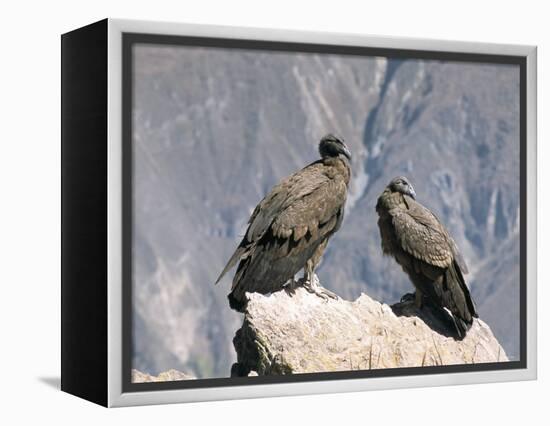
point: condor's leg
(310, 281)
(418, 299)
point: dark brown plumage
(289, 229)
(413, 235)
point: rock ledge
(302, 333)
(165, 376)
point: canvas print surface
(404, 212)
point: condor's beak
(412, 193)
(345, 151)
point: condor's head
(333, 146)
(401, 184)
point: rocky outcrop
(165, 376)
(302, 333)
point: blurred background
(215, 129)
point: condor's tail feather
(462, 307)
(239, 253)
(456, 272)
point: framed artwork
(251, 212)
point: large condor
(290, 228)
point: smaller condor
(413, 235)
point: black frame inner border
(130, 39)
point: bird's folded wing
(421, 235)
(314, 215)
(283, 196)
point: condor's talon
(327, 294)
(409, 297)
(290, 287)
(313, 286)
